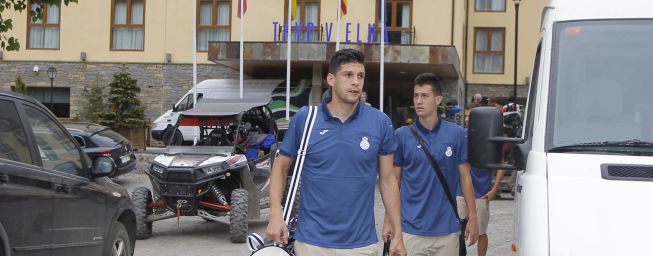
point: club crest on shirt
(365, 144)
(449, 152)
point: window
(489, 50)
(187, 102)
(490, 5)
(60, 99)
(13, 142)
(398, 20)
(44, 33)
(57, 151)
(127, 24)
(213, 22)
(308, 11)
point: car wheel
(238, 215)
(120, 244)
(176, 141)
(140, 198)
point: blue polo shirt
(339, 175)
(425, 209)
(481, 179)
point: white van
(162, 127)
(587, 146)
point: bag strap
(438, 171)
(299, 163)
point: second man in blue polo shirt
(428, 220)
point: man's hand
(471, 232)
(491, 195)
(397, 247)
(387, 233)
(277, 230)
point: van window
(13, 142)
(601, 84)
(187, 102)
(532, 96)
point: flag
(244, 10)
(293, 11)
(343, 7)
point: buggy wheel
(177, 140)
(238, 215)
(140, 198)
(119, 243)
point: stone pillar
(316, 89)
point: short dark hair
(345, 56)
(432, 80)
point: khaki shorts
(482, 212)
(446, 245)
(304, 249)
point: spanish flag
(343, 7)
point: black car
(53, 199)
(97, 140)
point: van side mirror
(174, 108)
(485, 139)
(102, 166)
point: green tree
(20, 86)
(126, 109)
(11, 43)
(94, 104)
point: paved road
(195, 236)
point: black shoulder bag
(438, 171)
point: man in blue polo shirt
(428, 220)
(349, 145)
(484, 192)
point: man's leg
(483, 213)
(416, 245)
(447, 245)
(482, 245)
(304, 249)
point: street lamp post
(514, 87)
(52, 74)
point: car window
(57, 151)
(13, 142)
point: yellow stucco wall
(529, 24)
(85, 27)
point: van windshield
(602, 84)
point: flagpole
(289, 31)
(195, 64)
(242, 57)
(338, 28)
(382, 53)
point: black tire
(119, 242)
(238, 215)
(176, 141)
(140, 198)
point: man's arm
(492, 194)
(277, 230)
(387, 231)
(389, 187)
(468, 193)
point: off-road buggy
(225, 173)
